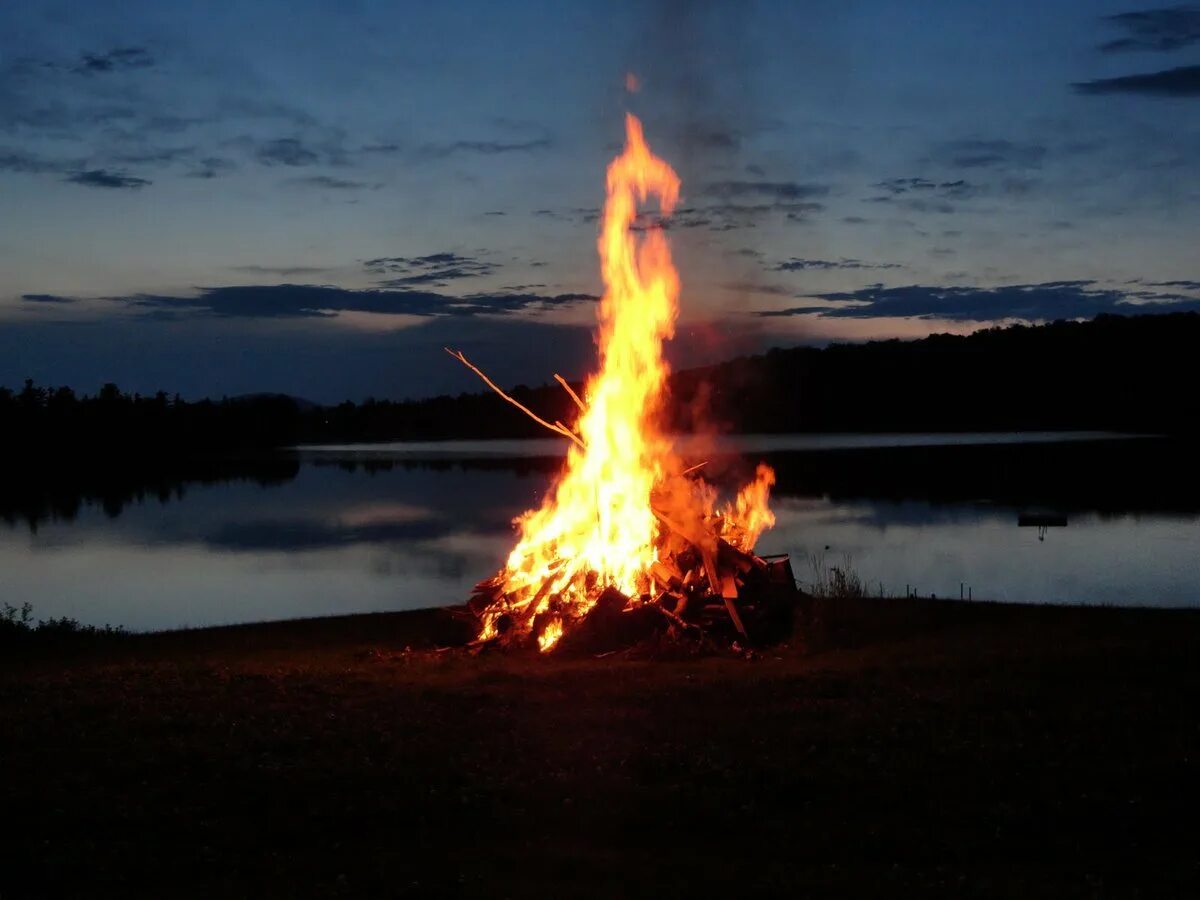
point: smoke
(695, 63)
(699, 76)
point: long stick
(557, 429)
(574, 396)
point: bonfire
(629, 532)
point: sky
(216, 198)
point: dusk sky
(316, 197)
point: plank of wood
(729, 593)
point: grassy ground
(899, 746)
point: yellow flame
(597, 527)
(550, 635)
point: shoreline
(908, 745)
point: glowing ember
(623, 497)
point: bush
(835, 582)
(17, 626)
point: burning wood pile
(702, 584)
(630, 541)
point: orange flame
(598, 528)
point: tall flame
(598, 528)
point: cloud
(755, 287)
(329, 183)
(1182, 285)
(801, 265)
(102, 178)
(115, 60)
(778, 190)
(923, 195)
(433, 270)
(1155, 30)
(152, 155)
(1031, 302)
(309, 301)
(20, 161)
(212, 167)
(284, 271)
(720, 216)
(697, 136)
(1183, 81)
(896, 186)
(286, 152)
(46, 298)
(974, 153)
(484, 148)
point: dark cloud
(437, 278)
(719, 216)
(1155, 30)
(1183, 81)
(28, 163)
(322, 301)
(801, 265)
(212, 167)
(284, 271)
(896, 186)
(755, 287)
(153, 155)
(287, 152)
(702, 136)
(46, 298)
(115, 60)
(328, 182)
(1031, 302)
(380, 149)
(981, 154)
(1182, 285)
(916, 204)
(779, 190)
(432, 270)
(484, 148)
(103, 178)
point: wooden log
(710, 569)
(729, 593)
(738, 559)
(666, 576)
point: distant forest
(1134, 373)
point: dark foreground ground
(901, 746)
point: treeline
(1118, 373)
(1135, 373)
(38, 422)
(1122, 373)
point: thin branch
(695, 467)
(570, 390)
(557, 429)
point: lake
(326, 531)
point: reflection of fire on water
(627, 526)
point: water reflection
(319, 534)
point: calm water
(353, 529)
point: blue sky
(315, 197)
